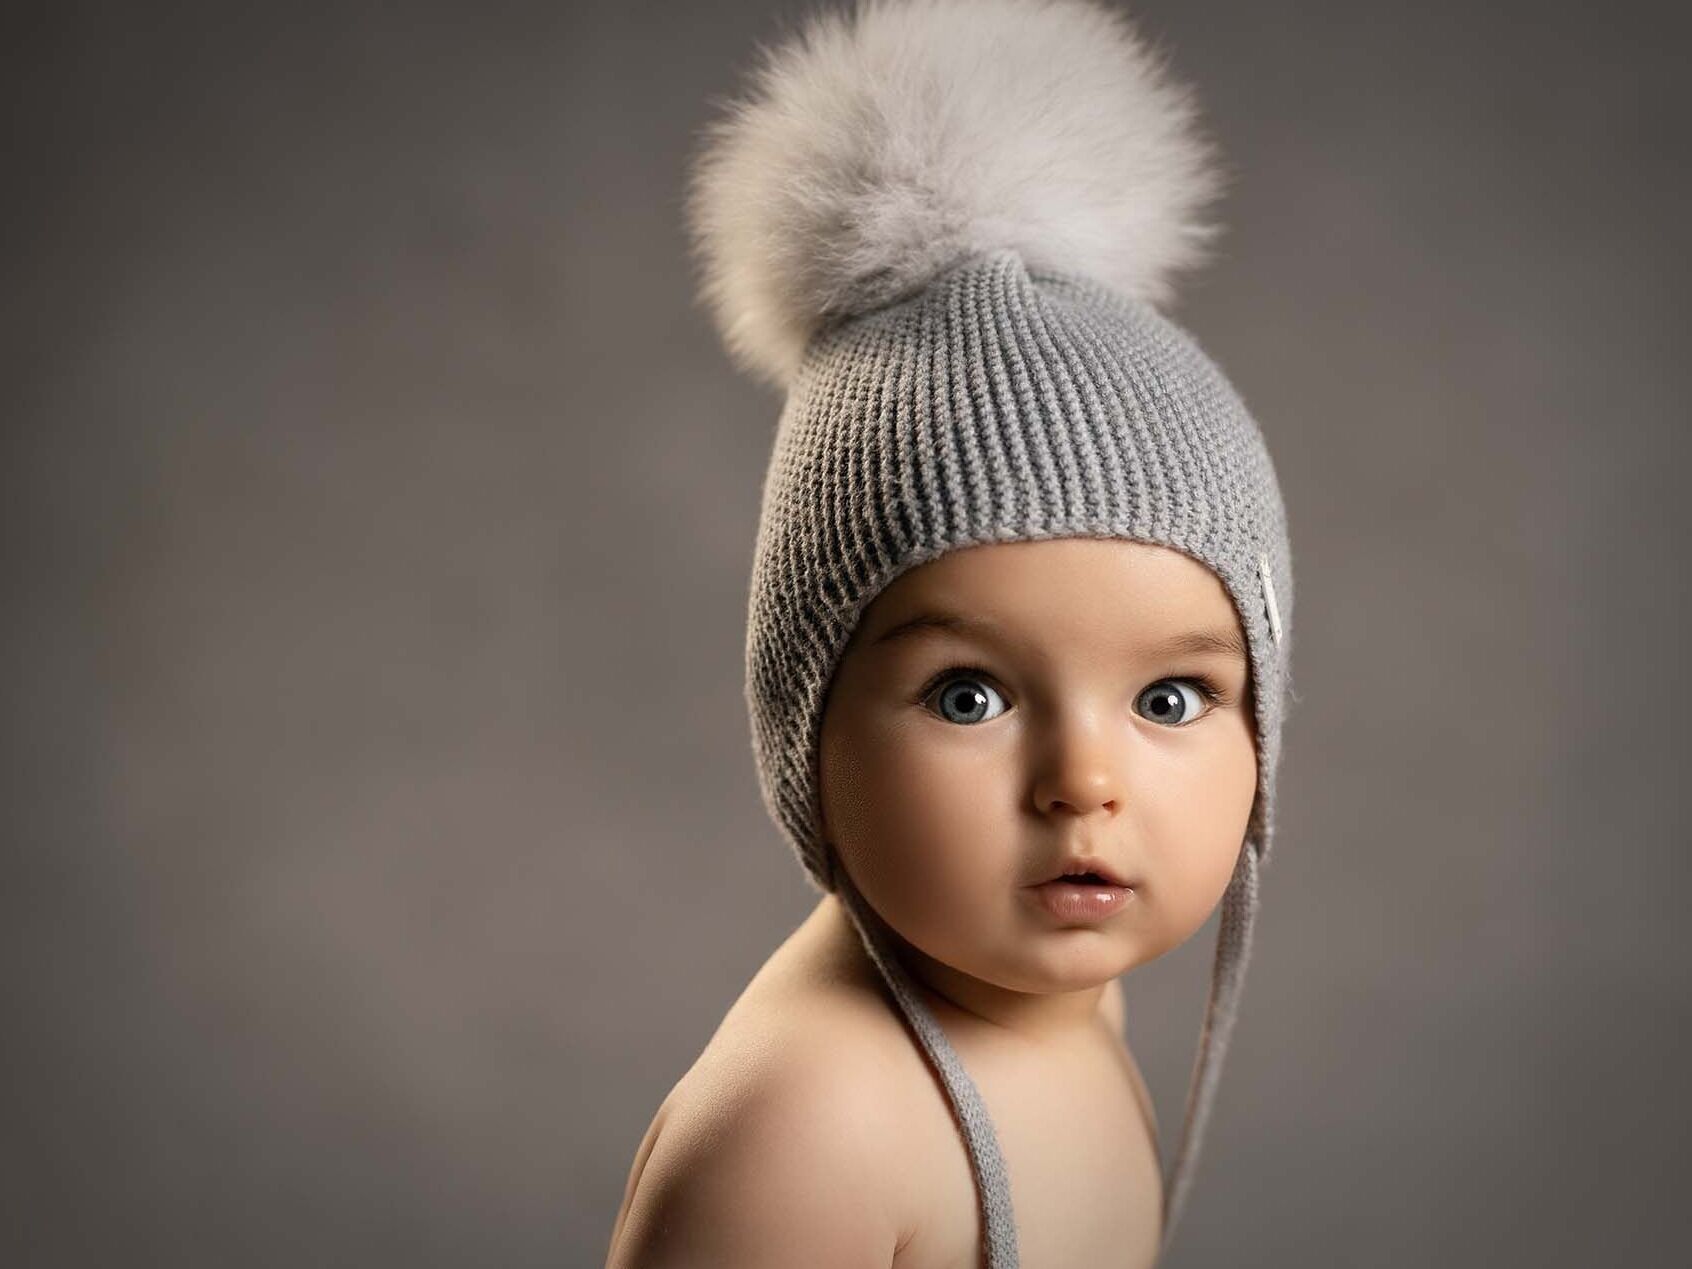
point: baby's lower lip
(1080, 900)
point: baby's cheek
(937, 798)
(1204, 864)
(934, 820)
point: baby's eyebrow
(1203, 643)
(1218, 642)
(926, 621)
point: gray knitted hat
(941, 227)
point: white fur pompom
(882, 145)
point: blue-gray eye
(1167, 701)
(965, 700)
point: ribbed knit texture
(1001, 405)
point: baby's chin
(1048, 963)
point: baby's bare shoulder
(773, 1149)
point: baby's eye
(1167, 702)
(963, 698)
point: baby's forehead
(1054, 635)
(1080, 592)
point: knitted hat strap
(1233, 954)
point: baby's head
(1033, 448)
(1006, 707)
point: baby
(1017, 653)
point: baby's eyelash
(952, 672)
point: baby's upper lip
(1077, 864)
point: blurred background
(376, 514)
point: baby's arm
(790, 1173)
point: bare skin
(957, 769)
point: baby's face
(959, 767)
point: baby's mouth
(1083, 897)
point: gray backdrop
(378, 506)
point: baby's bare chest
(1086, 1185)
